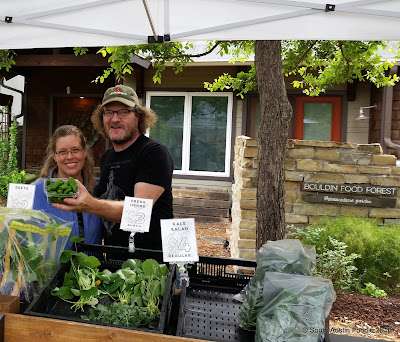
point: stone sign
(351, 194)
(351, 200)
(355, 189)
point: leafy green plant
(121, 314)
(373, 291)
(136, 283)
(6, 59)
(333, 261)
(80, 281)
(9, 172)
(28, 251)
(135, 289)
(335, 264)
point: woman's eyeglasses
(74, 151)
(122, 113)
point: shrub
(373, 291)
(378, 247)
(332, 260)
(9, 172)
(335, 264)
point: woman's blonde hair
(146, 119)
(49, 163)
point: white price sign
(136, 214)
(20, 196)
(179, 240)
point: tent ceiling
(69, 23)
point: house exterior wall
(201, 183)
(191, 78)
(375, 122)
(53, 81)
(375, 127)
(396, 116)
(310, 161)
(43, 83)
(358, 130)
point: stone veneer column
(308, 161)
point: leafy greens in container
(130, 296)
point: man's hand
(80, 204)
(85, 202)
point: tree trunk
(276, 113)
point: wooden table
(16, 327)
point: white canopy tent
(69, 23)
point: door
(318, 118)
(77, 111)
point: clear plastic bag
(31, 242)
(295, 308)
(289, 256)
(286, 256)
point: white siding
(239, 117)
(357, 130)
(201, 183)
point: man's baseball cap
(121, 93)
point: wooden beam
(24, 328)
(59, 60)
(9, 304)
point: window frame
(335, 101)
(187, 130)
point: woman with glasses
(69, 156)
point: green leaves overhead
(312, 66)
(6, 59)
(318, 65)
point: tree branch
(304, 55)
(345, 58)
(196, 55)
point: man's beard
(123, 140)
(131, 132)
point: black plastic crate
(47, 305)
(207, 308)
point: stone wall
(309, 161)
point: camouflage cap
(121, 93)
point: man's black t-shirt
(144, 161)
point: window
(196, 128)
(314, 118)
(318, 118)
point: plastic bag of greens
(31, 242)
(289, 256)
(286, 256)
(295, 308)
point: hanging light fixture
(361, 115)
